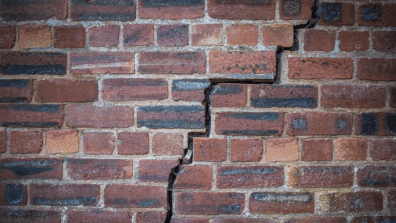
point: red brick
(210, 203)
(62, 141)
(373, 219)
(168, 144)
(383, 149)
(65, 195)
(138, 34)
(34, 36)
(126, 89)
(241, 9)
(99, 117)
(34, 168)
(208, 149)
(267, 96)
(171, 9)
(353, 41)
(384, 41)
(362, 201)
(194, 177)
(150, 216)
(207, 35)
(249, 176)
(66, 90)
(69, 37)
(281, 203)
(96, 214)
(353, 96)
(317, 219)
(103, 36)
(7, 37)
(98, 142)
(189, 89)
(244, 220)
(103, 10)
(13, 195)
(172, 35)
(321, 176)
(282, 149)
(99, 169)
(376, 176)
(392, 200)
(156, 170)
(337, 14)
(189, 220)
(278, 34)
(242, 34)
(316, 149)
(291, 9)
(376, 69)
(172, 62)
(317, 123)
(377, 15)
(246, 150)
(228, 95)
(392, 101)
(320, 68)
(350, 149)
(3, 141)
(102, 63)
(34, 10)
(132, 143)
(31, 115)
(28, 141)
(31, 216)
(319, 40)
(375, 124)
(131, 196)
(16, 90)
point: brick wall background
(202, 111)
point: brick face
(28, 141)
(242, 34)
(7, 37)
(319, 40)
(34, 36)
(62, 141)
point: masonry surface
(201, 111)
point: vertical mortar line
(101, 198)
(388, 96)
(80, 142)
(52, 37)
(136, 60)
(334, 148)
(44, 146)
(121, 37)
(355, 67)
(299, 149)
(170, 85)
(189, 32)
(8, 141)
(16, 47)
(264, 149)
(151, 136)
(155, 43)
(319, 106)
(228, 151)
(248, 89)
(214, 181)
(277, 11)
(370, 40)
(260, 38)
(385, 210)
(115, 151)
(135, 119)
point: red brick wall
(202, 111)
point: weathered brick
(168, 144)
(99, 117)
(377, 15)
(61, 141)
(337, 14)
(207, 35)
(96, 215)
(362, 201)
(242, 34)
(281, 203)
(172, 35)
(3, 141)
(31, 216)
(278, 34)
(246, 150)
(13, 195)
(28, 141)
(189, 220)
(16, 90)
(383, 149)
(98, 142)
(66, 90)
(173, 9)
(102, 63)
(150, 216)
(209, 149)
(33, 10)
(131, 143)
(350, 149)
(126, 89)
(16, 63)
(354, 40)
(377, 176)
(69, 37)
(375, 124)
(282, 149)
(317, 219)
(156, 170)
(138, 34)
(172, 62)
(319, 40)
(321, 176)
(34, 168)
(245, 9)
(249, 176)
(392, 101)
(194, 177)
(376, 69)
(210, 203)
(7, 37)
(64, 195)
(131, 196)
(34, 36)
(373, 219)
(384, 41)
(244, 220)
(104, 36)
(316, 149)
(317, 123)
(228, 95)
(103, 10)
(296, 9)
(171, 117)
(99, 169)
(189, 89)
(392, 200)
(320, 68)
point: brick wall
(202, 111)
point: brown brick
(377, 15)
(16, 90)
(99, 169)
(168, 144)
(392, 101)
(135, 196)
(131, 143)
(189, 220)
(172, 35)
(194, 177)
(126, 89)
(319, 40)
(246, 150)
(208, 149)
(189, 89)
(34, 36)
(292, 9)
(278, 34)
(353, 41)
(172, 62)
(34, 168)
(64, 195)
(320, 68)
(375, 124)
(244, 220)
(241, 9)
(281, 203)
(392, 200)
(62, 141)
(99, 117)
(384, 41)
(376, 69)
(156, 170)
(350, 149)
(66, 90)
(317, 123)
(3, 141)
(376, 176)
(13, 195)
(151, 216)
(242, 34)
(249, 176)
(138, 34)
(171, 9)
(373, 219)
(337, 14)
(316, 149)
(98, 142)
(34, 10)
(69, 37)
(103, 10)
(207, 35)
(210, 203)
(228, 95)
(7, 37)
(383, 149)
(362, 201)
(317, 219)
(104, 36)
(96, 214)
(31, 216)
(28, 141)
(321, 176)
(284, 149)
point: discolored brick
(384, 41)
(171, 9)
(34, 36)
(27, 141)
(376, 176)
(209, 149)
(245, 9)
(7, 37)
(296, 9)
(98, 142)
(33, 10)
(96, 214)
(13, 195)
(3, 141)
(131, 143)
(321, 176)
(138, 34)
(243, 220)
(316, 149)
(317, 219)
(337, 14)
(189, 89)
(375, 124)
(353, 40)
(194, 177)
(33, 168)
(228, 95)
(376, 69)
(350, 149)
(150, 216)
(362, 201)
(278, 34)
(69, 37)
(16, 90)
(172, 35)
(242, 34)
(392, 200)
(392, 101)
(103, 10)
(156, 170)
(320, 68)
(104, 36)
(246, 150)
(284, 149)
(168, 144)
(31, 216)
(189, 220)
(62, 141)
(281, 203)
(207, 35)
(377, 15)
(383, 149)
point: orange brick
(284, 149)
(207, 35)
(62, 141)
(168, 144)
(350, 149)
(242, 34)
(34, 36)
(209, 149)
(279, 34)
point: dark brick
(172, 35)
(296, 9)
(210, 149)
(34, 168)
(16, 91)
(189, 220)
(156, 170)
(375, 124)
(393, 97)
(244, 9)
(377, 176)
(69, 37)
(138, 34)
(377, 15)
(384, 41)
(104, 36)
(171, 9)
(150, 216)
(362, 201)
(33, 10)
(317, 150)
(376, 69)
(321, 176)
(194, 177)
(26, 141)
(96, 214)
(31, 216)
(285, 203)
(7, 37)
(337, 14)
(383, 149)
(189, 89)
(131, 143)
(392, 200)
(320, 68)
(374, 219)
(3, 141)
(103, 10)
(228, 95)
(244, 220)
(13, 195)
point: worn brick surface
(284, 203)
(384, 41)
(337, 14)
(354, 40)
(228, 95)
(28, 141)
(376, 15)
(168, 144)
(316, 149)
(189, 89)
(375, 124)
(37, 36)
(376, 176)
(172, 35)
(362, 201)
(319, 40)
(376, 69)
(7, 37)
(138, 34)
(33, 10)
(246, 150)
(320, 68)
(98, 142)
(62, 141)
(284, 149)
(383, 149)
(69, 37)
(242, 34)
(155, 170)
(207, 149)
(17, 90)
(296, 9)
(30, 168)
(280, 35)
(241, 9)
(103, 10)
(104, 36)
(32, 216)
(130, 143)
(97, 215)
(194, 177)
(321, 176)
(350, 149)
(173, 9)
(207, 35)
(13, 195)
